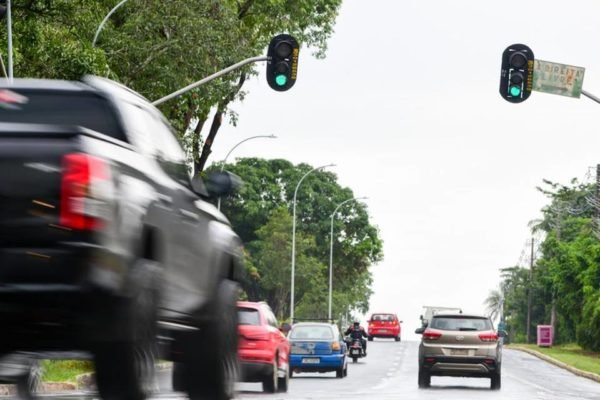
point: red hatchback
(263, 350)
(384, 326)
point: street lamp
(331, 250)
(294, 237)
(105, 20)
(233, 148)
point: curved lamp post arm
(111, 12)
(232, 149)
(243, 141)
(331, 250)
(294, 237)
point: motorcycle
(355, 349)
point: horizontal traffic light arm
(214, 76)
(590, 96)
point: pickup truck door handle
(189, 215)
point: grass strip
(65, 370)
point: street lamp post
(331, 250)
(115, 8)
(294, 237)
(10, 43)
(233, 148)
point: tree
(566, 281)
(156, 47)
(270, 254)
(269, 185)
(493, 303)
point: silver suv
(455, 344)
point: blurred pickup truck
(108, 245)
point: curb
(578, 372)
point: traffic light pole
(590, 96)
(214, 76)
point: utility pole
(530, 292)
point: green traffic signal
(515, 91)
(281, 80)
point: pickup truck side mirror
(420, 330)
(222, 183)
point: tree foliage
(566, 278)
(261, 213)
(157, 47)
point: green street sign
(554, 78)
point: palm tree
(493, 303)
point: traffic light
(516, 77)
(282, 62)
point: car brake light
(336, 346)
(488, 337)
(431, 335)
(86, 190)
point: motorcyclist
(355, 331)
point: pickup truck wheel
(125, 369)
(210, 367)
(28, 385)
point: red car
(263, 349)
(384, 326)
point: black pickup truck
(107, 245)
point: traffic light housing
(282, 62)
(516, 76)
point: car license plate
(459, 352)
(383, 330)
(310, 361)
(355, 352)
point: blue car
(317, 347)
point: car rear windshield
(460, 323)
(312, 332)
(248, 316)
(383, 317)
(59, 108)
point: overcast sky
(407, 105)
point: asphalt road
(390, 372)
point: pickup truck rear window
(83, 109)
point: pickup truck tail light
(431, 335)
(488, 337)
(86, 192)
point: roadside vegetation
(565, 280)
(65, 370)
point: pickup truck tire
(29, 384)
(209, 368)
(125, 369)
